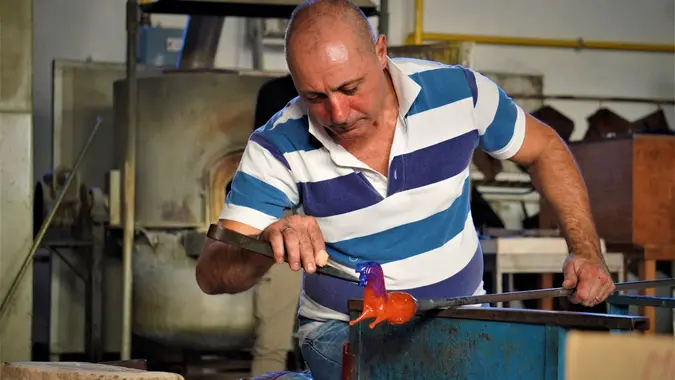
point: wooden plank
(592, 356)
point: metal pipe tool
(441, 303)
(251, 244)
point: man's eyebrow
(351, 82)
(342, 85)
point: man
(277, 293)
(375, 154)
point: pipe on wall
(544, 42)
(419, 36)
(383, 20)
(255, 27)
(129, 228)
(200, 42)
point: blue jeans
(322, 349)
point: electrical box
(159, 46)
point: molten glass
(395, 307)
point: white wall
(79, 29)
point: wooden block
(77, 371)
(593, 355)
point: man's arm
(556, 176)
(261, 191)
(507, 132)
(222, 268)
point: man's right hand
(299, 239)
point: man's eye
(350, 90)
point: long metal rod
(129, 179)
(441, 303)
(640, 300)
(45, 225)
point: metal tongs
(248, 243)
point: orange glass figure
(395, 307)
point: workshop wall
(81, 29)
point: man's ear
(381, 50)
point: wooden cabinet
(631, 185)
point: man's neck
(374, 147)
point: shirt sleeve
(499, 120)
(262, 188)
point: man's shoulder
(415, 66)
(436, 78)
(440, 84)
(287, 131)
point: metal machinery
(154, 170)
(189, 147)
(490, 343)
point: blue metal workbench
(477, 343)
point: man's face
(342, 85)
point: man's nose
(338, 109)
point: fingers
(593, 284)
(571, 280)
(292, 243)
(588, 290)
(298, 240)
(606, 290)
(590, 280)
(307, 253)
(570, 275)
(276, 240)
(319, 245)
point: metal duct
(383, 21)
(238, 8)
(200, 42)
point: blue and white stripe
(416, 222)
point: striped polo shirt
(416, 222)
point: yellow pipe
(545, 42)
(418, 37)
(418, 34)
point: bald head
(338, 67)
(316, 22)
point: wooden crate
(631, 185)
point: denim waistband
(304, 321)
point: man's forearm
(222, 268)
(557, 178)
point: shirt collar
(406, 90)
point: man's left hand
(589, 277)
